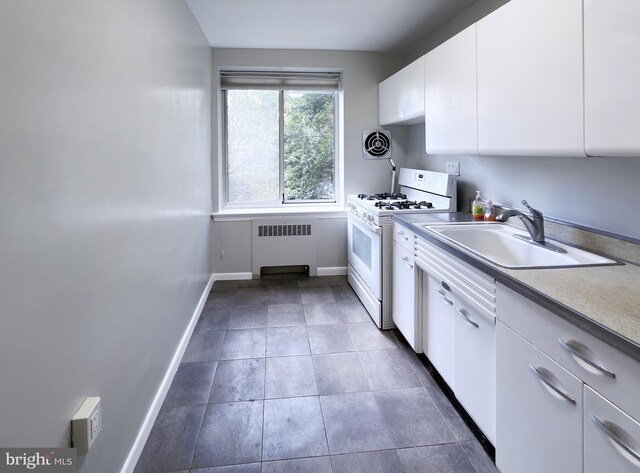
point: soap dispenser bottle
(477, 208)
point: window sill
(321, 211)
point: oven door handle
(372, 226)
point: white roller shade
(279, 80)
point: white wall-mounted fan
(376, 144)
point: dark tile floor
(289, 374)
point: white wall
(362, 71)
(105, 191)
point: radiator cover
(284, 242)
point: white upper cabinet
(612, 77)
(451, 106)
(530, 79)
(401, 96)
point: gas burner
(403, 205)
(382, 196)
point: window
(280, 137)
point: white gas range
(371, 233)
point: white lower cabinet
(611, 437)
(458, 305)
(404, 293)
(438, 319)
(475, 364)
(534, 383)
(539, 414)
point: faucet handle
(534, 212)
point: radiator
(284, 242)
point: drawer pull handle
(407, 263)
(405, 238)
(569, 346)
(444, 298)
(466, 318)
(543, 379)
(612, 431)
(401, 232)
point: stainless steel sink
(499, 244)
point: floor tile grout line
(195, 446)
(404, 354)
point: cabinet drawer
(403, 236)
(611, 437)
(538, 410)
(597, 363)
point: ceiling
(356, 25)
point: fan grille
(376, 145)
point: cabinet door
(450, 96)
(611, 437)
(611, 77)
(539, 415)
(401, 96)
(437, 339)
(403, 299)
(475, 364)
(530, 79)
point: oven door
(365, 251)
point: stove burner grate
(404, 205)
(382, 196)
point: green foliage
(309, 144)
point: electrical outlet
(86, 424)
(452, 167)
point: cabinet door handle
(573, 350)
(466, 318)
(444, 298)
(405, 238)
(611, 430)
(543, 379)
(407, 263)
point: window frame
(282, 204)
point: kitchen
(98, 256)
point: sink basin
(497, 243)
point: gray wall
(362, 71)
(462, 20)
(602, 193)
(106, 196)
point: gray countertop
(602, 300)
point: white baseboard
(326, 271)
(332, 271)
(232, 276)
(152, 413)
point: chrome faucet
(533, 224)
